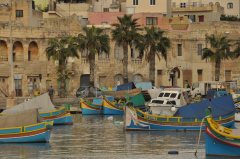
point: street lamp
(11, 48)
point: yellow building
(231, 7)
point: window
(19, 13)
(135, 2)
(211, 3)
(152, 2)
(161, 95)
(158, 101)
(200, 49)
(174, 4)
(132, 53)
(173, 95)
(171, 102)
(14, 57)
(199, 75)
(84, 54)
(182, 5)
(179, 49)
(159, 72)
(151, 21)
(166, 94)
(201, 18)
(217, 3)
(105, 9)
(194, 4)
(192, 18)
(230, 5)
(29, 55)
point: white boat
(167, 102)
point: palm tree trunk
(92, 68)
(62, 84)
(152, 66)
(125, 62)
(217, 69)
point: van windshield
(195, 85)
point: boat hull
(171, 126)
(91, 108)
(139, 120)
(217, 147)
(61, 116)
(111, 108)
(122, 94)
(29, 134)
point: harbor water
(95, 136)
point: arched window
(230, 5)
(211, 3)
(217, 3)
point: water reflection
(96, 136)
(22, 150)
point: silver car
(84, 90)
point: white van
(201, 88)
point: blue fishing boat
(47, 111)
(118, 109)
(187, 117)
(221, 141)
(95, 107)
(24, 126)
(120, 91)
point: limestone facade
(183, 62)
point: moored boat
(24, 126)
(118, 109)
(186, 118)
(122, 90)
(94, 107)
(47, 111)
(221, 141)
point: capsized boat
(118, 109)
(187, 117)
(221, 141)
(24, 126)
(48, 112)
(94, 107)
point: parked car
(84, 90)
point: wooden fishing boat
(94, 107)
(48, 112)
(24, 126)
(91, 108)
(187, 117)
(122, 94)
(221, 141)
(118, 109)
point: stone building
(183, 62)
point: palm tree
(60, 50)
(236, 50)
(94, 41)
(125, 33)
(152, 43)
(220, 50)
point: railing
(103, 60)
(118, 61)
(136, 61)
(84, 61)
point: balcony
(136, 61)
(197, 8)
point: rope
(200, 133)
